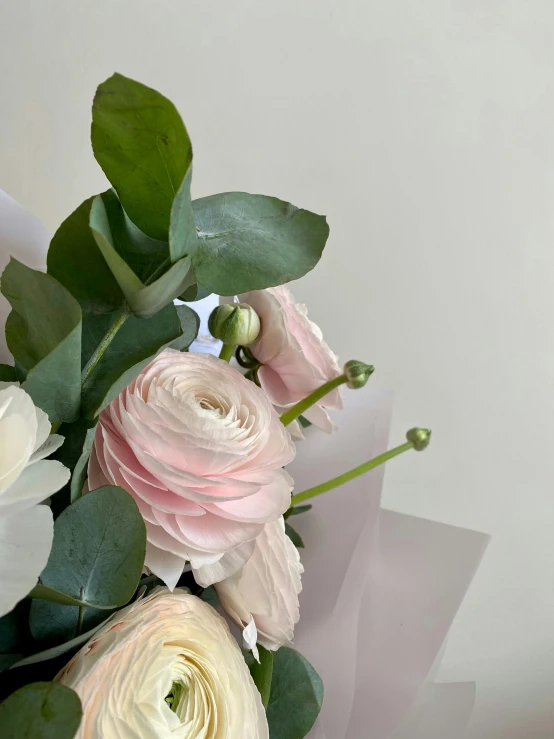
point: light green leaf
(41, 711)
(182, 229)
(43, 332)
(75, 260)
(193, 293)
(144, 300)
(250, 242)
(296, 696)
(143, 147)
(133, 347)
(297, 510)
(98, 550)
(44, 592)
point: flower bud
(420, 438)
(234, 323)
(357, 373)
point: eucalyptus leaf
(79, 474)
(52, 595)
(57, 651)
(7, 660)
(262, 673)
(143, 147)
(98, 549)
(190, 323)
(193, 293)
(250, 242)
(41, 711)
(75, 260)
(182, 228)
(7, 373)
(144, 300)
(43, 332)
(135, 344)
(296, 696)
(209, 595)
(52, 624)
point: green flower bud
(234, 323)
(357, 373)
(420, 438)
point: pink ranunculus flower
(201, 450)
(262, 598)
(295, 358)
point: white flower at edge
(26, 479)
(166, 644)
(263, 597)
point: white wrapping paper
(380, 590)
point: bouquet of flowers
(150, 522)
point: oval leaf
(41, 711)
(250, 242)
(75, 260)
(43, 332)
(143, 147)
(144, 300)
(98, 551)
(296, 696)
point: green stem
(104, 344)
(262, 674)
(307, 402)
(351, 475)
(226, 352)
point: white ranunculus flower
(26, 479)
(263, 596)
(165, 667)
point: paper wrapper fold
(381, 590)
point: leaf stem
(297, 410)
(335, 482)
(104, 344)
(80, 620)
(226, 352)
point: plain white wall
(425, 131)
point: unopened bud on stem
(234, 324)
(420, 438)
(357, 373)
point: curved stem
(226, 352)
(335, 482)
(104, 344)
(307, 402)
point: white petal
(35, 484)
(25, 543)
(53, 442)
(228, 565)
(168, 567)
(43, 429)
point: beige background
(424, 130)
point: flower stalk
(355, 375)
(417, 439)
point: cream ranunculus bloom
(26, 479)
(169, 648)
(263, 597)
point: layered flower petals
(165, 667)
(202, 451)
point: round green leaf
(43, 332)
(143, 147)
(296, 696)
(250, 242)
(98, 550)
(41, 711)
